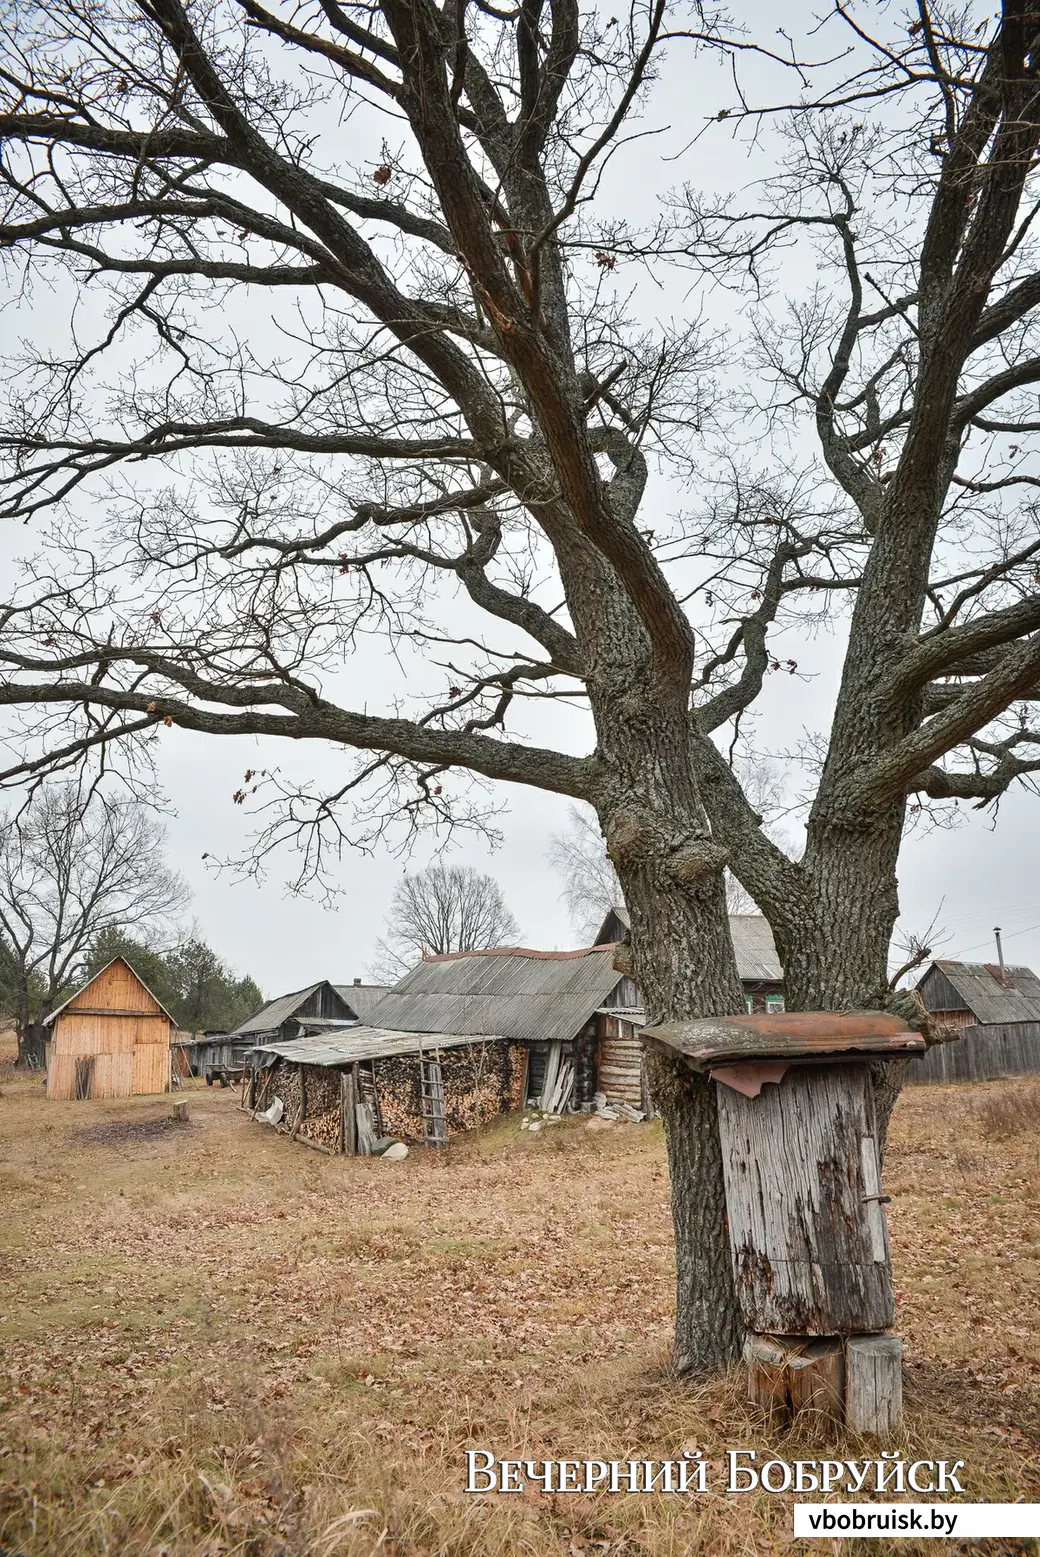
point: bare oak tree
(444, 908)
(457, 425)
(75, 867)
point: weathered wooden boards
(807, 1230)
(110, 1039)
(873, 1383)
(793, 1373)
(858, 1381)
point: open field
(216, 1342)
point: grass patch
(1009, 1111)
(216, 1344)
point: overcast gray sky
(972, 877)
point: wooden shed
(110, 1039)
(994, 1013)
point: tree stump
(180, 1111)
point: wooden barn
(572, 1011)
(110, 1039)
(994, 1010)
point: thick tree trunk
(682, 960)
(32, 1037)
(835, 953)
(708, 1326)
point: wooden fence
(981, 1054)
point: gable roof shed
(362, 998)
(509, 992)
(321, 1002)
(978, 987)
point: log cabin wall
(112, 1039)
(620, 1067)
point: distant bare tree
(590, 882)
(73, 867)
(444, 908)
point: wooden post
(874, 1384)
(794, 1374)
(303, 1107)
(180, 1111)
(351, 1140)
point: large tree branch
(320, 720)
(894, 771)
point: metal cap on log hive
(795, 1036)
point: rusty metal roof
(512, 992)
(786, 1035)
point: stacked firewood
(400, 1097)
(287, 1087)
(476, 1085)
(517, 1076)
(323, 1128)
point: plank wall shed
(110, 1039)
(995, 1013)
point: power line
(980, 944)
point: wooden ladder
(431, 1084)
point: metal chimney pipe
(1000, 949)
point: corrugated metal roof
(271, 1016)
(362, 998)
(754, 948)
(979, 986)
(515, 993)
(366, 1043)
(753, 944)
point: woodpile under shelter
(758, 964)
(354, 1092)
(573, 1013)
(110, 1039)
(995, 1013)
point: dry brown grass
(1009, 1111)
(220, 1343)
